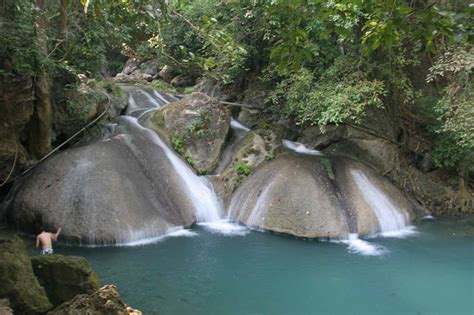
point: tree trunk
(62, 27)
(41, 131)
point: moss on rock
(18, 282)
(64, 277)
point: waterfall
(300, 148)
(197, 188)
(238, 132)
(235, 124)
(390, 218)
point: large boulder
(292, 195)
(117, 190)
(430, 193)
(317, 196)
(137, 70)
(197, 126)
(106, 300)
(77, 109)
(64, 277)
(182, 80)
(18, 282)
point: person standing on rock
(45, 240)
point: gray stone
(117, 190)
(252, 149)
(310, 196)
(216, 89)
(5, 307)
(182, 80)
(197, 126)
(249, 117)
(292, 195)
(167, 73)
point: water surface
(201, 272)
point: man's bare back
(45, 240)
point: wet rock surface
(197, 127)
(106, 192)
(313, 197)
(17, 281)
(64, 277)
(292, 195)
(246, 154)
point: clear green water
(261, 273)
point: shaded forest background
(320, 63)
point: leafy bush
(339, 96)
(199, 126)
(242, 168)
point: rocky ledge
(53, 284)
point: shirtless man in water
(45, 239)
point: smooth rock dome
(313, 197)
(123, 189)
(292, 195)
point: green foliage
(199, 126)
(196, 39)
(270, 157)
(188, 90)
(16, 40)
(242, 168)
(454, 111)
(177, 143)
(339, 96)
(163, 86)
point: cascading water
(392, 220)
(299, 148)
(198, 188)
(238, 132)
(207, 206)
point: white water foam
(225, 227)
(153, 240)
(234, 123)
(402, 233)
(300, 148)
(392, 220)
(362, 247)
(256, 216)
(154, 101)
(160, 97)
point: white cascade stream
(208, 207)
(393, 222)
(300, 148)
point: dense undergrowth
(325, 62)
